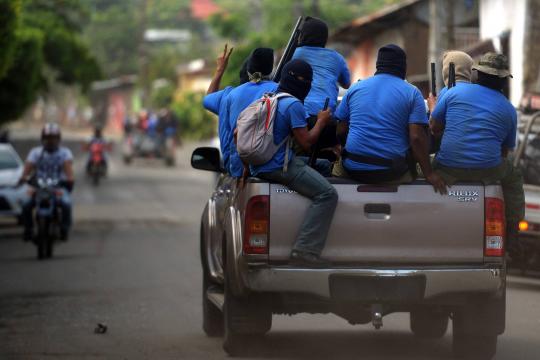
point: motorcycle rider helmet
(50, 137)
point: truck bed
(405, 224)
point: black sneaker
(306, 259)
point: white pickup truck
(393, 249)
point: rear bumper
(318, 281)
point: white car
(11, 195)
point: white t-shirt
(50, 165)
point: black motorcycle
(47, 215)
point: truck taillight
(257, 224)
(495, 229)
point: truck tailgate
(401, 225)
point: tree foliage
(116, 35)
(46, 44)
(9, 19)
(195, 123)
(276, 20)
(20, 87)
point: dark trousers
(65, 206)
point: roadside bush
(23, 81)
(195, 122)
(9, 19)
(161, 97)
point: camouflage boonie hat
(493, 64)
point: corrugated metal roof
(357, 24)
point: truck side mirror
(206, 158)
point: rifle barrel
(289, 49)
(433, 80)
(451, 75)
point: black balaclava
(392, 60)
(314, 33)
(244, 77)
(260, 64)
(491, 81)
(296, 78)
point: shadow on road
(348, 345)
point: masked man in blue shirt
(463, 66)
(479, 127)
(329, 70)
(382, 118)
(259, 68)
(215, 101)
(296, 80)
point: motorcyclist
(50, 160)
(167, 123)
(100, 140)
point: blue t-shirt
(445, 89)
(379, 111)
(239, 99)
(290, 115)
(329, 69)
(216, 103)
(479, 122)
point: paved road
(132, 263)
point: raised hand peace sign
(223, 60)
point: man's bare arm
(68, 170)
(307, 138)
(28, 170)
(420, 148)
(436, 128)
(222, 62)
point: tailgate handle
(377, 211)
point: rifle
(289, 49)
(433, 80)
(451, 75)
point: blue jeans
(309, 183)
(322, 166)
(65, 206)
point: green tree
(23, 81)
(9, 21)
(47, 46)
(114, 36)
(277, 20)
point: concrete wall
(498, 17)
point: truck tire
(428, 323)
(212, 316)
(245, 320)
(471, 346)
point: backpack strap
(288, 139)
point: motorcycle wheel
(95, 177)
(49, 248)
(43, 242)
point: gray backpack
(255, 125)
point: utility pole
(450, 36)
(298, 8)
(143, 54)
(441, 33)
(256, 15)
(315, 8)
